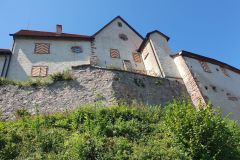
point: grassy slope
(122, 132)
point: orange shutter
(39, 71)
(205, 66)
(35, 71)
(114, 53)
(136, 57)
(42, 48)
(43, 71)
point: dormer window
(76, 49)
(123, 37)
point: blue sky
(207, 27)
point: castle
(119, 46)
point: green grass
(121, 132)
(59, 76)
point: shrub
(203, 134)
(62, 76)
(122, 132)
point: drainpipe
(4, 64)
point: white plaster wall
(60, 58)
(224, 85)
(161, 48)
(151, 65)
(2, 59)
(109, 38)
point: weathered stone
(92, 84)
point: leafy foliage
(178, 131)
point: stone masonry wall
(92, 84)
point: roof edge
(121, 20)
(143, 44)
(59, 36)
(206, 59)
(5, 51)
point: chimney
(59, 28)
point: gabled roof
(206, 59)
(42, 34)
(121, 20)
(147, 37)
(5, 51)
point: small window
(136, 57)
(123, 37)
(114, 53)
(119, 24)
(39, 71)
(224, 70)
(76, 49)
(205, 66)
(42, 48)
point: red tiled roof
(5, 51)
(41, 34)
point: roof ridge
(123, 21)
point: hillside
(121, 132)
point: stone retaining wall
(92, 84)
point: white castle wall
(60, 58)
(150, 62)
(109, 38)
(160, 46)
(221, 90)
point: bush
(62, 76)
(203, 134)
(178, 131)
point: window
(42, 48)
(127, 65)
(76, 49)
(136, 57)
(205, 66)
(119, 24)
(224, 70)
(39, 71)
(114, 53)
(123, 37)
